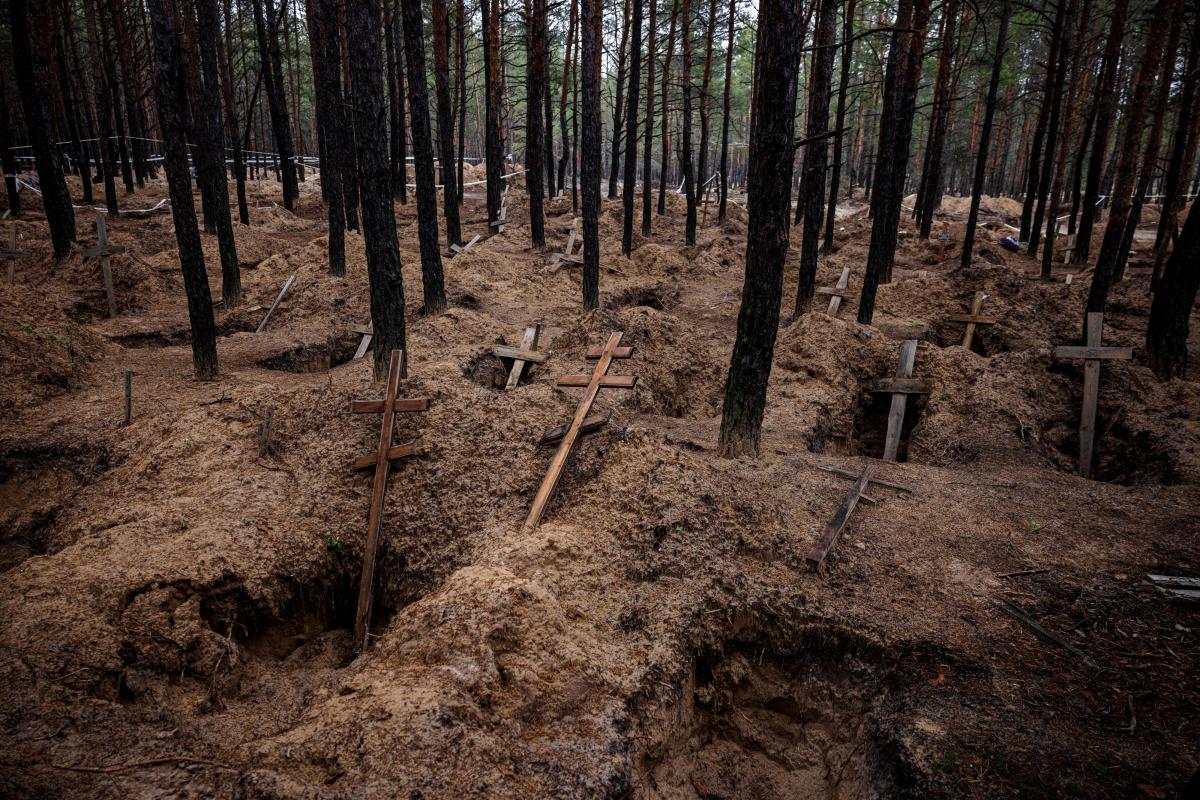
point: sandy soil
(175, 607)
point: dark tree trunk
(548, 135)
(702, 177)
(393, 37)
(618, 106)
(629, 191)
(895, 132)
(1183, 150)
(418, 107)
(816, 152)
(133, 109)
(172, 86)
(589, 147)
(493, 145)
(768, 188)
(535, 92)
(666, 119)
(108, 47)
(267, 21)
(239, 164)
(210, 149)
(7, 162)
(342, 117)
(648, 140)
(375, 178)
(1171, 309)
(31, 73)
(565, 158)
(985, 135)
(63, 46)
(931, 177)
(323, 29)
(1110, 257)
(686, 164)
(460, 53)
(835, 177)
(1106, 107)
(725, 116)
(104, 100)
(445, 119)
(1056, 82)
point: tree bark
(618, 105)
(835, 177)
(686, 164)
(378, 215)
(1171, 309)
(418, 107)
(445, 119)
(7, 162)
(816, 152)
(705, 104)
(648, 135)
(535, 92)
(231, 122)
(1183, 151)
(398, 146)
(323, 33)
(768, 187)
(589, 148)
(666, 127)
(565, 158)
(985, 135)
(931, 176)
(1056, 80)
(725, 114)
(172, 86)
(31, 73)
(267, 20)
(629, 190)
(493, 145)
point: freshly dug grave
(177, 599)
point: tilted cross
(593, 384)
(1092, 353)
(973, 319)
(525, 354)
(381, 459)
(837, 292)
(899, 388)
(12, 253)
(103, 251)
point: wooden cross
(287, 285)
(381, 459)
(837, 292)
(593, 384)
(368, 333)
(501, 218)
(525, 354)
(973, 319)
(103, 251)
(1092, 353)
(12, 253)
(457, 249)
(833, 530)
(899, 388)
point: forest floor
(175, 608)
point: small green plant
(948, 764)
(1034, 526)
(915, 324)
(679, 528)
(332, 542)
(945, 395)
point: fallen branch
(1047, 635)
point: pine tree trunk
(629, 191)
(686, 164)
(231, 122)
(931, 176)
(460, 53)
(210, 148)
(432, 280)
(706, 81)
(895, 132)
(1106, 108)
(445, 120)
(104, 94)
(267, 22)
(648, 134)
(589, 147)
(816, 152)
(374, 170)
(835, 177)
(1110, 257)
(392, 38)
(725, 114)
(618, 105)
(31, 74)
(172, 86)
(1171, 309)
(565, 158)
(1056, 79)
(323, 34)
(493, 146)
(985, 135)
(666, 128)
(768, 188)
(7, 162)
(535, 92)
(548, 134)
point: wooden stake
(593, 386)
(264, 433)
(12, 253)
(833, 529)
(1092, 353)
(908, 357)
(287, 285)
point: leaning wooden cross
(973, 319)
(279, 297)
(364, 344)
(525, 354)
(592, 384)
(381, 459)
(837, 292)
(833, 530)
(501, 218)
(899, 388)
(103, 251)
(12, 253)
(457, 249)
(1092, 353)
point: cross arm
(606, 381)
(618, 352)
(395, 451)
(900, 386)
(976, 318)
(1108, 353)
(401, 404)
(504, 351)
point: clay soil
(175, 605)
